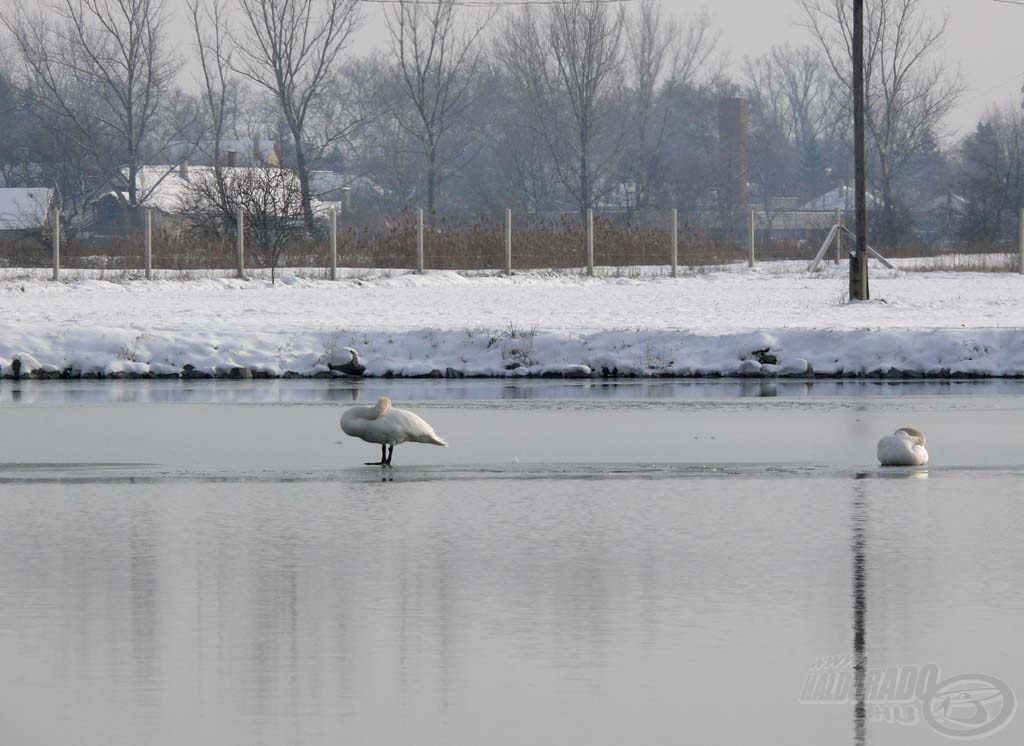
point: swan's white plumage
(384, 424)
(905, 447)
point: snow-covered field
(730, 321)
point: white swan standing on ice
(387, 426)
(905, 447)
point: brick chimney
(732, 143)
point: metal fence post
(750, 242)
(1022, 240)
(590, 242)
(419, 242)
(241, 244)
(334, 244)
(148, 245)
(56, 243)
(675, 242)
(508, 242)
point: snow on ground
(632, 322)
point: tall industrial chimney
(732, 180)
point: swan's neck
(382, 406)
(914, 436)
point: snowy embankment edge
(105, 352)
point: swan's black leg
(383, 461)
(391, 452)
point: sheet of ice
(530, 323)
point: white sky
(984, 38)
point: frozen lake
(638, 562)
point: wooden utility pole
(839, 235)
(859, 256)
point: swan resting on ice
(905, 447)
(387, 426)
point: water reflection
(472, 611)
(902, 473)
(858, 545)
(349, 390)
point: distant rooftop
(840, 198)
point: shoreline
(771, 323)
(101, 353)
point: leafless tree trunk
(662, 53)
(436, 62)
(909, 91)
(568, 60)
(209, 24)
(290, 48)
(100, 70)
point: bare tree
(794, 86)
(17, 126)
(524, 165)
(209, 24)
(696, 50)
(436, 62)
(270, 199)
(909, 90)
(99, 71)
(991, 175)
(796, 118)
(567, 60)
(663, 53)
(290, 48)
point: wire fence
(410, 241)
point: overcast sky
(985, 39)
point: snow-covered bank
(766, 322)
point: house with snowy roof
(259, 150)
(182, 194)
(841, 198)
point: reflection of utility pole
(858, 520)
(859, 257)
